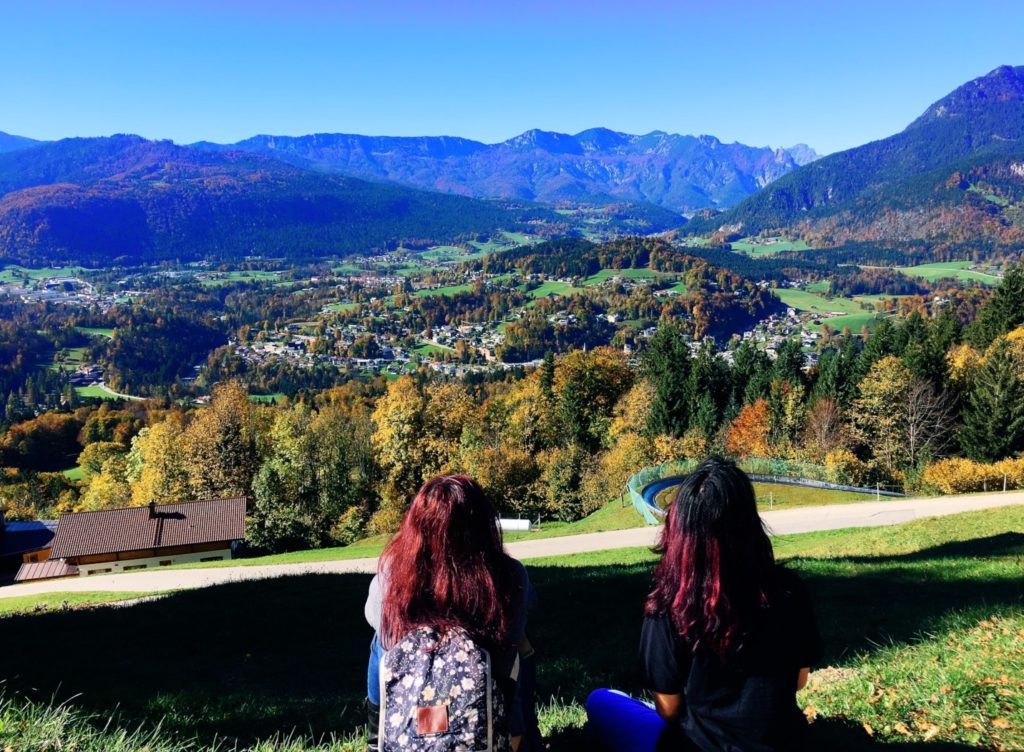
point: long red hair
(447, 566)
(717, 567)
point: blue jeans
(373, 671)
(623, 724)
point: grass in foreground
(924, 625)
(24, 604)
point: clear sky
(831, 73)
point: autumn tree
(587, 387)
(824, 428)
(157, 467)
(879, 413)
(220, 444)
(748, 434)
(398, 432)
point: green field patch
(989, 196)
(267, 399)
(449, 290)
(554, 287)
(15, 274)
(959, 270)
(429, 350)
(72, 473)
(341, 307)
(822, 286)
(214, 279)
(606, 274)
(768, 246)
(802, 300)
(94, 392)
(96, 331)
(855, 322)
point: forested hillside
(127, 200)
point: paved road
(780, 522)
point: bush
(957, 475)
(843, 467)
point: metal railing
(760, 470)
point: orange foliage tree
(748, 433)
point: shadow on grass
(241, 661)
(250, 660)
(1001, 545)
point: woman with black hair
(728, 636)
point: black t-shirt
(748, 703)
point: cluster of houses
(122, 540)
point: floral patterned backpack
(438, 695)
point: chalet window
(134, 566)
(212, 558)
(100, 571)
(166, 563)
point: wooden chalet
(133, 538)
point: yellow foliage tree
(156, 465)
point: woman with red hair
(728, 636)
(447, 569)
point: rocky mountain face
(949, 173)
(681, 173)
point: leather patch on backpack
(432, 719)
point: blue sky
(833, 74)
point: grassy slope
(924, 625)
(955, 269)
(50, 601)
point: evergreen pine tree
(667, 364)
(1003, 312)
(994, 412)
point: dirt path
(780, 522)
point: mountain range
(13, 143)
(681, 173)
(955, 174)
(124, 199)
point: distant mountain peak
(596, 165)
(1002, 85)
(802, 154)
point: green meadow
(14, 273)
(606, 274)
(959, 270)
(96, 331)
(767, 246)
(851, 314)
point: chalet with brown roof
(122, 540)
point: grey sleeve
(374, 604)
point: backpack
(437, 694)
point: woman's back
(748, 700)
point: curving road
(780, 522)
